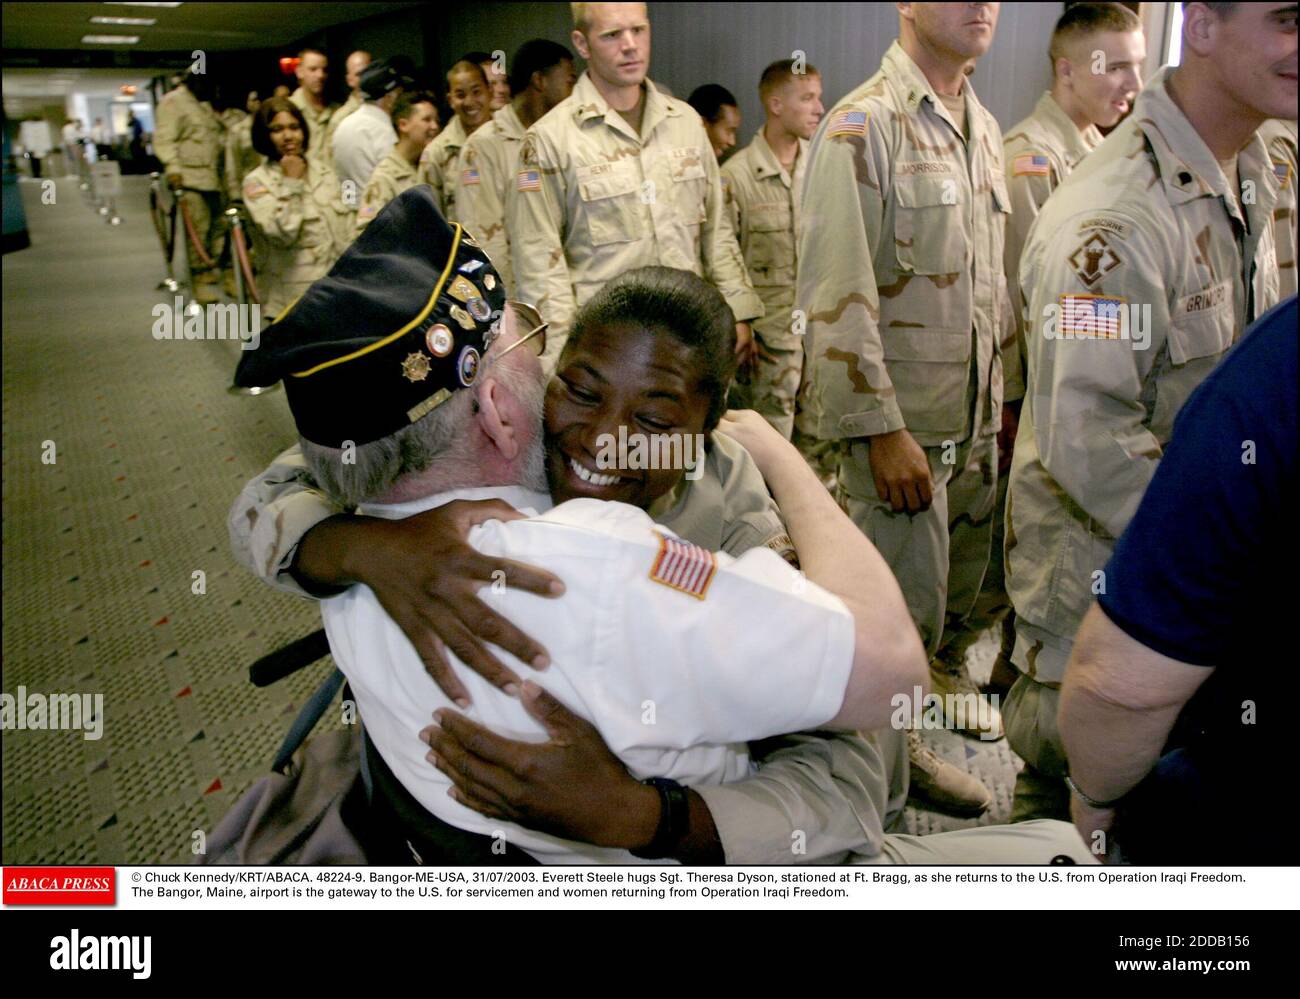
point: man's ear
(580, 43)
(495, 418)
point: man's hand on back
(427, 579)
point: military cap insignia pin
(462, 317)
(438, 340)
(489, 281)
(479, 309)
(462, 289)
(415, 367)
(467, 366)
(470, 266)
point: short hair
(261, 127)
(537, 55)
(581, 16)
(676, 303)
(311, 50)
(709, 99)
(438, 437)
(404, 106)
(779, 73)
(1082, 19)
(469, 62)
(1222, 9)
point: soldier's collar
(590, 103)
(913, 88)
(1188, 169)
(765, 162)
(1052, 114)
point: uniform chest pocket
(1206, 332)
(686, 168)
(929, 224)
(770, 248)
(609, 202)
(196, 149)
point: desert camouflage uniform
(320, 124)
(1280, 138)
(392, 175)
(1038, 153)
(591, 200)
(438, 166)
(764, 202)
(188, 141)
(306, 226)
(900, 277)
(487, 169)
(1147, 220)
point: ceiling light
(128, 3)
(109, 39)
(143, 22)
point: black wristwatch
(674, 819)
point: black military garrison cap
(399, 323)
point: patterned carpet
(101, 547)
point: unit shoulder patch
(1093, 259)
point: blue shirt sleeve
(1196, 575)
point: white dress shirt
(362, 139)
(678, 656)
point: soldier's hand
(746, 347)
(901, 471)
(294, 166)
(427, 579)
(1007, 434)
(570, 786)
(175, 181)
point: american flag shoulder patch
(255, 190)
(683, 566)
(847, 123)
(1030, 165)
(1098, 317)
(529, 180)
(469, 177)
(1282, 171)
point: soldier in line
(1039, 153)
(294, 199)
(1280, 138)
(415, 119)
(188, 142)
(541, 76)
(900, 278)
(615, 177)
(366, 137)
(312, 73)
(353, 67)
(1141, 271)
(469, 94)
(763, 184)
(717, 107)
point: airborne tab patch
(683, 566)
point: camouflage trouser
(776, 383)
(823, 456)
(992, 606)
(1029, 714)
(209, 225)
(938, 556)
